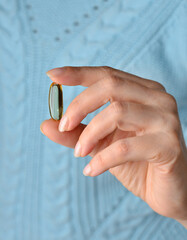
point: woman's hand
(138, 137)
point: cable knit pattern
(44, 195)
(12, 111)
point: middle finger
(99, 93)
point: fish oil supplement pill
(55, 101)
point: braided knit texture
(43, 193)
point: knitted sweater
(43, 193)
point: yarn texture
(43, 193)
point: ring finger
(126, 116)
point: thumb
(49, 128)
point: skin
(138, 138)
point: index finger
(88, 75)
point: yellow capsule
(55, 101)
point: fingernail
(77, 151)
(63, 124)
(55, 72)
(87, 170)
(41, 128)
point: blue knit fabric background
(43, 193)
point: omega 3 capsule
(55, 101)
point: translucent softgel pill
(55, 101)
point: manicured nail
(55, 72)
(87, 170)
(77, 152)
(63, 125)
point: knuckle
(106, 72)
(170, 99)
(106, 69)
(110, 81)
(141, 131)
(160, 86)
(175, 143)
(156, 85)
(173, 153)
(156, 157)
(100, 161)
(117, 107)
(104, 82)
(168, 153)
(156, 96)
(122, 147)
(173, 121)
(163, 118)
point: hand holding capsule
(138, 137)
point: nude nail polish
(87, 170)
(63, 124)
(77, 151)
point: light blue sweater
(43, 193)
